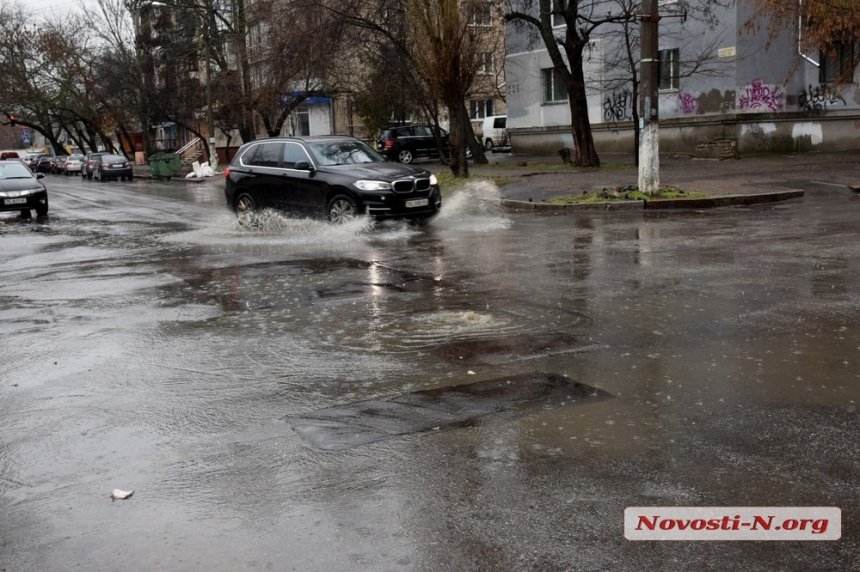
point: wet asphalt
(487, 393)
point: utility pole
(649, 65)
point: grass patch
(448, 182)
(625, 194)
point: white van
(494, 132)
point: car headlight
(434, 180)
(22, 193)
(372, 185)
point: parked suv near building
(405, 143)
(337, 176)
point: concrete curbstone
(701, 203)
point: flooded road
(488, 392)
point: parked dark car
(58, 164)
(108, 166)
(44, 164)
(22, 190)
(407, 142)
(337, 176)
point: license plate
(417, 203)
(21, 201)
(117, 166)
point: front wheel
(405, 156)
(42, 210)
(341, 208)
(488, 144)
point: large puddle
(354, 424)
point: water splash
(475, 206)
(270, 227)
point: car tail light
(389, 143)
(227, 172)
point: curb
(509, 204)
(710, 202)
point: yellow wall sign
(727, 52)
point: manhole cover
(364, 422)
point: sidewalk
(535, 180)
(144, 171)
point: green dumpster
(164, 165)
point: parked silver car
(73, 164)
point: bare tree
(441, 45)
(566, 28)
(832, 27)
(294, 57)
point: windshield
(343, 153)
(14, 170)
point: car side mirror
(40, 175)
(304, 166)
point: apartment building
(724, 88)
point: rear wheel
(246, 209)
(245, 203)
(405, 156)
(488, 144)
(341, 208)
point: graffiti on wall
(759, 96)
(618, 106)
(689, 103)
(818, 98)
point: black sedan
(21, 190)
(339, 177)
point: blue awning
(311, 99)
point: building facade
(725, 88)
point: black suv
(338, 176)
(405, 143)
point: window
(670, 69)
(838, 63)
(266, 155)
(302, 121)
(293, 154)
(553, 86)
(485, 63)
(483, 14)
(480, 108)
(558, 21)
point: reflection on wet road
(272, 393)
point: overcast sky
(51, 7)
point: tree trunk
(585, 152)
(457, 137)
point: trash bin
(164, 165)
